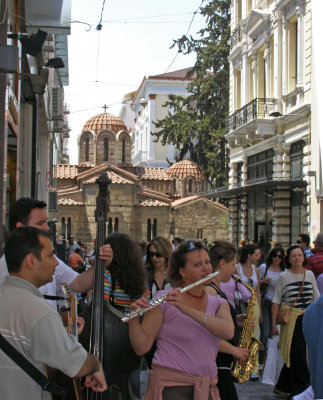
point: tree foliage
(196, 124)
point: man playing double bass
(32, 326)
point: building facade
(147, 104)
(271, 188)
(33, 117)
(145, 201)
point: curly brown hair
(127, 265)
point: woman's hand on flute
(175, 298)
(140, 303)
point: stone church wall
(200, 219)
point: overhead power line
(195, 12)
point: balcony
(235, 37)
(258, 108)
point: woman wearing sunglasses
(269, 273)
(157, 253)
(188, 327)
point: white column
(245, 79)
(285, 56)
(151, 128)
(254, 67)
(278, 69)
(234, 89)
(300, 45)
(267, 69)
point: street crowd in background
(189, 345)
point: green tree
(196, 124)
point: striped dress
(120, 299)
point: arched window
(69, 227)
(63, 228)
(116, 225)
(190, 186)
(123, 150)
(87, 149)
(148, 230)
(110, 226)
(155, 228)
(105, 149)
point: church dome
(185, 168)
(105, 121)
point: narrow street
(255, 391)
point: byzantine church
(145, 201)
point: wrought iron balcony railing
(257, 108)
(235, 38)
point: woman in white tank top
(249, 274)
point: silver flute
(156, 302)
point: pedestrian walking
(295, 290)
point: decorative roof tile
(153, 203)
(69, 202)
(115, 179)
(185, 168)
(184, 200)
(175, 75)
(65, 171)
(151, 173)
(105, 121)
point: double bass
(103, 334)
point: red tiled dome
(185, 168)
(105, 121)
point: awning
(262, 185)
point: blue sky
(134, 42)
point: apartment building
(275, 189)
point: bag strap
(31, 370)
(299, 293)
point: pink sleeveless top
(183, 344)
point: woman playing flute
(188, 328)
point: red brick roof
(69, 202)
(65, 171)
(152, 203)
(185, 168)
(148, 173)
(153, 194)
(105, 121)
(169, 76)
(175, 75)
(184, 200)
(115, 178)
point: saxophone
(241, 372)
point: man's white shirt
(63, 274)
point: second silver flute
(156, 302)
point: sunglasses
(152, 254)
(298, 241)
(250, 281)
(278, 256)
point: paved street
(255, 391)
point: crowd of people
(189, 343)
